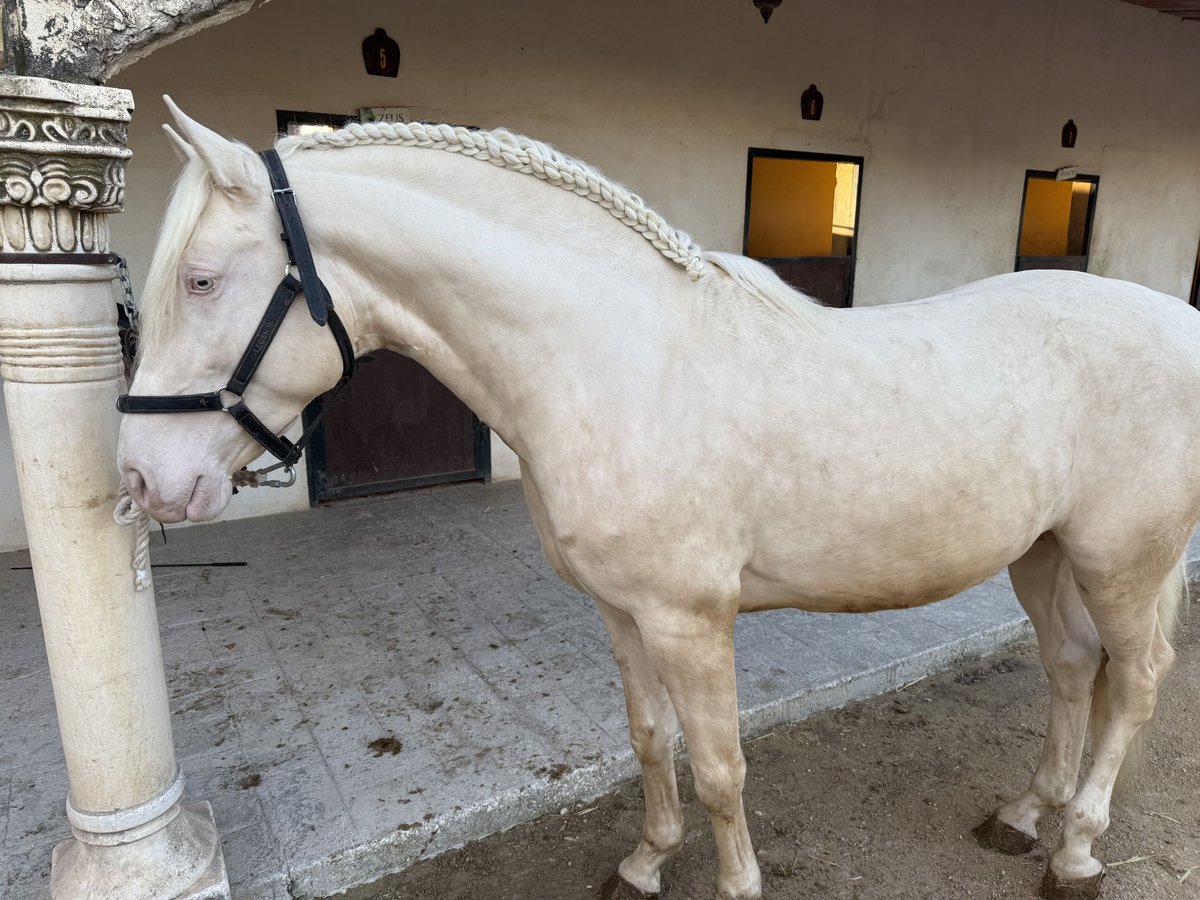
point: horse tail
(1171, 596)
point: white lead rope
(128, 513)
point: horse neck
(521, 298)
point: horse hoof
(1080, 889)
(617, 888)
(1003, 838)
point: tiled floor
(389, 677)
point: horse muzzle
(184, 495)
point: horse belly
(866, 591)
(886, 564)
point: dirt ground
(875, 802)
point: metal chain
(127, 301)
(132, 323)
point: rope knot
(129, 513)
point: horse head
(216, 267)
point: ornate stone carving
(62, 164)
(98, 185)
(31, 126)
(88, 41)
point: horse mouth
(209, 498)
(206, 499)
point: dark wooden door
(827, 279)
(394, 426)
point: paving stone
(37, 808)
(18, 599)
(266, 712)
(22, 652)
(202, 724)
(236, 637)
(190, 605)
(307, 817)
(765, 672)
(28, 725)
(340, 721)
(226, 780)
(255, 857)
(5, 785)
(383, 788)
(26, 874)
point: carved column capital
(63, 152)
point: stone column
(62, 171)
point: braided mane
(508, 150)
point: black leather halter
(320, 307)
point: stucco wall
(948, 101)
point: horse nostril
(136, 485)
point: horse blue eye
(200, 284)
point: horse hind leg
(1133, 608)
(1173, 592)
(652, 728)
(1071, 655)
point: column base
(180, 861)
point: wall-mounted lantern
(381, 54)
(766, 7)
(811, 103)
(1069, 133)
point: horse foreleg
(652, 727)
(1071, 655)
(693, 653)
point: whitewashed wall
(949, 101)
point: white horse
(698, 440)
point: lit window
(802, 220)
(1056, 222)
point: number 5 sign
(381, 54)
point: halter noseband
(320, 307)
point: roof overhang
(1184, 9)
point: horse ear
(181, 147)
(234, 168)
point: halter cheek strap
(320, 307)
